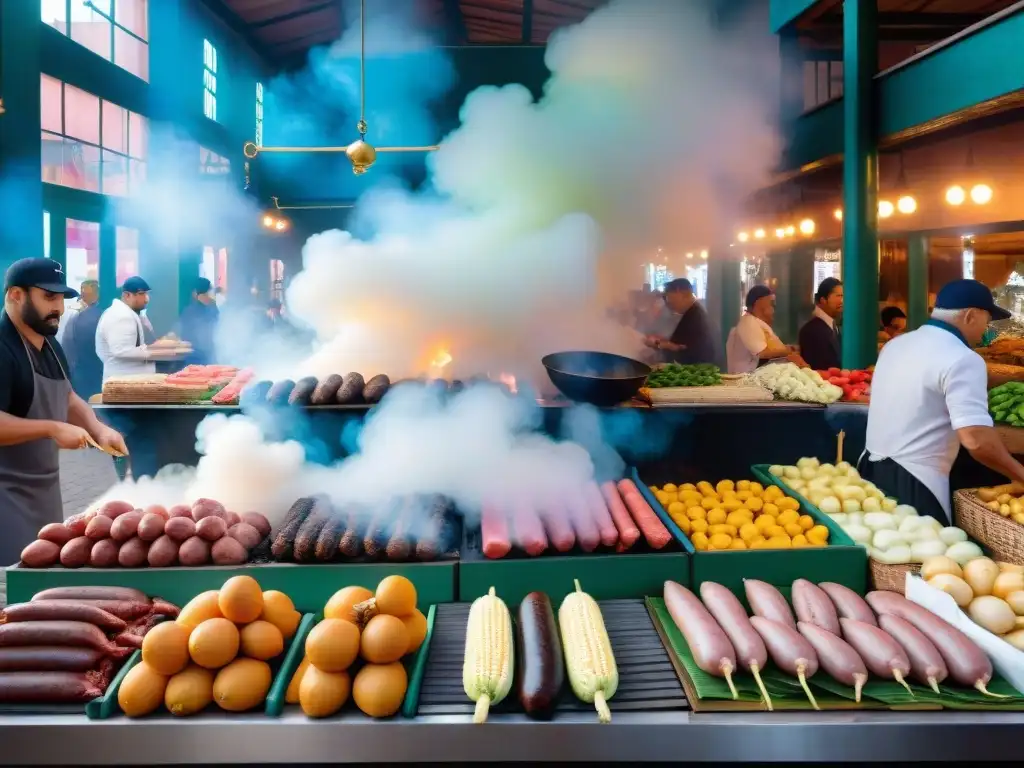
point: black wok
(598, 378)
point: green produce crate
(841, 561)
(106, 706)
(292, 658)
(309, 586)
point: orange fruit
(292, 694)
(200, 608)
(189, 691)
(141, 691)
(165, 648)
(416, 624)
(379, 689)
(241, 599)
(321, 694)
(341, 603)
(242, 685)
(385, 639)
(280, 611)
(396, 596)
(332, 645)
(214, 643)
(261, 640)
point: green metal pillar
(723, 297)
(917, 268)
(860, 184)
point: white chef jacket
(746, 342)
(927, 384)
(120, 342)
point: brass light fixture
(360, 152)
(317, 207)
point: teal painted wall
(783, 12)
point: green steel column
(723, 297)
(782, 272)
(860, 183)
(917, 267)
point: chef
(929, 397)
(753, 343)
(691, 341)
(39, 412)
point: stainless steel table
(213, 739)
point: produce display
(606, 517)
(990, 593)
(738, 515)
(192, 384)
(119, 535)
(893, 533)
(1006, 403)
(402, 530)
(357, 651)
(68, 643)
(1006, 350)
(489, 670)
(350, 389)
(1007, 500)
(828, 630)
(678, 375)
(856, 385)
(217, 650)
(788, 381)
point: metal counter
(213, 739)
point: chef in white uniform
(929, 397)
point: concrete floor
(84, 475)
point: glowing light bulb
(689, 255)
(780, 232)
(268, 221)
(790, 230)
(955, 195)
(759, 234)
(703, 254)
(743, 237)
(807, 227)
(838, 214)
(906, 204)
(981, 194)
(280, 225)
(885, 209)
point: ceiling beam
(232, 21)
(292, 15)
(527, 21)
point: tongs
(108, 451)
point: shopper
(85, 367)
(89, 296)
(894, 323)
(39, 412)
(753, 343)
(198, 324)
(691, 342)
(929, 397)
(819, 337)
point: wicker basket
(891, 578)
(722, 393)
(1002, 537)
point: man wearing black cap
(691, 342)
(753, 343)
(929, 397)
(819, 336)
(39, 411)
(198, 323)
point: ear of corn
(588, 652)
(487, 667)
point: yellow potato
(662, 498)
(729, 530)
(764, 522)
(725, 485)
(738, 519)
(696, 513)
(700, 541)
(774, 531)
(787, 502)
(669, 488)
(687, 487)
(738, 544)
(761, 543)
(806, 522)
(654, 489)
(757, 489)
(676, 508)
(710, 502)
(800, 542)
(787, 517)
(792, 530)
(754, 503)
(684, 525)
(699, 526)
(742, 485)
(743, 495)
(769, 509)
(716, 516)
(706, 488)
(690, 498)
(719, 541)
(780, 542)
(749, 532)
(671, 498)
(818, 535)
(731, 504)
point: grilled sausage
(376, 388)
(284, 542)
(836, 656)
(129, 610)
(628, 532)
(494, 538)
(73, 633)
(303, 391)
(529, 530)
(541, 668)
(330, 537)
(305, 540)
(48, 687)
(708, 643)
(848, 604)
(351, 389)
(768, 603)
(351, 543)
(62, 610)
(926, 663)
(400, 544)
(325, 391)
(557, 528)
(428, 543)
(49, 658)
(280, 392)
(378, 531)
(881, 653)
(602, 517)
(813, 606)
(647, 520)
(583, 524)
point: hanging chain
(361, 125)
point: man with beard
(39, 412)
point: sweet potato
(133, 553)
(104, 554)
(211, 528)
(48, 658)
(125, 526)
(62, 610)
(194, 551)
(303, 391)
(99, 528)
(76, 552)
(78, 634)
(257, 521)
(151, 527)
(228, 551)
(114, 509)
(158, 509)
(179, 510)
(245, 535)
(203, 508)
(78, 523)
(233, 518)
(58, 533)
(93, 593)
(180, 528)
(48, 687)
(40, 554)
(163, 552)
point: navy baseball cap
(969, 294)
(135, 285)
(45, 274)
(757, 293)
(202, 285)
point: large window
(117, 30)
(259, 114)
(212, 164)
(209, 80)
(82, 254)
(127, 264)
(89, 143)
(823, 81)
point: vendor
(691, 341)
(894, 323)
(819, 338)
(753, 343)
(39, 411)
(929, 397)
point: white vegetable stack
(990, 593)
(893, 533)
(790, 382)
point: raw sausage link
(768, 603)
(587, 534)
(92, 593)
(966, 662)
(62, 610)
(557, 528)
(787, 647)
(74, 633)
(813, 606)
(708, 643)
(650, 524)
(284, 541)
(836, 656)
(123, 609)
(541, 669)
(628, 532)
(848, 604)
(728, 611)
(926, 663)
(603, 518)
(529, 531)
(47, 687)
(881, 653)
(49, 658)
(495, 542)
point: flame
(509, 381)
(441, 359)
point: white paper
(1007, 660)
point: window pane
(115, 127)
(78, 166)
(46, 234)
(222, 270)
(206, 268)
(138, 136)
(127, 253)
(53, 158)
(131, 55)
(138, 176)
(89, 28)
(82, 260)
(55, 13)
(115, 174)
(132, 15)
(82, 115)
(51, 116)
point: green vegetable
(678, 375)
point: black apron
(30, 472)
(897, 482)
